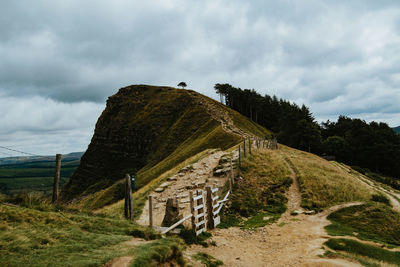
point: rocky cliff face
(140, 127)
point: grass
(190, 237)
(184, 129)
(390, 181)
(372, 221)
(207, 260)
(323, 184)
(139, 197)
(48, 238)
(33, 176)
(166, 250)
(357, 248)
(261, 192)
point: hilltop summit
(146, 126)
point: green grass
(166, 250)
(261, 192)
(357, 248)
(190, 237)
(207, 260)
(373, 221)
(30, 237)
(322, 183)
(184, 128)
(33, 176)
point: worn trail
(293, 241)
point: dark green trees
(374, 146)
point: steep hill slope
(147, 130)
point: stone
(309, 212)
(173, 178)
(266, 218)
(165, 184)
(171, 213)
(159, 189)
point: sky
(61, 60)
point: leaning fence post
(210, 215)
(192, 210)
(56, 177)
(129, 196)
(244, 147)
(126, 212)
(249, 145)
(150, 211)
(232, 172)
(240, 158)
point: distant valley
(34, 173)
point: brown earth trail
(292, 241)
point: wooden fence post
(150, 211)
(56, 177)
(240, 158)
(210, 215)
(232, 175)
(126, 206)
(129, 196)
(244, 147)
(192, 210)
(249, 145)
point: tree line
(374, 146)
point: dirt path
(292, 241)
(297, 242)
(293, 195)
(197, 176)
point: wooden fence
(205, 207)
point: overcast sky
(60, 60)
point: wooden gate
(197, 210)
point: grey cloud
(338, 57)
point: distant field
(31, 176)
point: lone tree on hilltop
(182, 84)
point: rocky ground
(190, 178)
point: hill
(287, 207)
(397, 129)
(34, 173)
(147, 130)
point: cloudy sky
(60, 60)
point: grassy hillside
(322, 183)
(31, 237)
(167, 126)
(261, 192)
(366, 231)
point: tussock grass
(207, 260)
(261, 191)
(166, 250)
(323, 184)
(30, 237)
(373, 221)
(357, 248)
